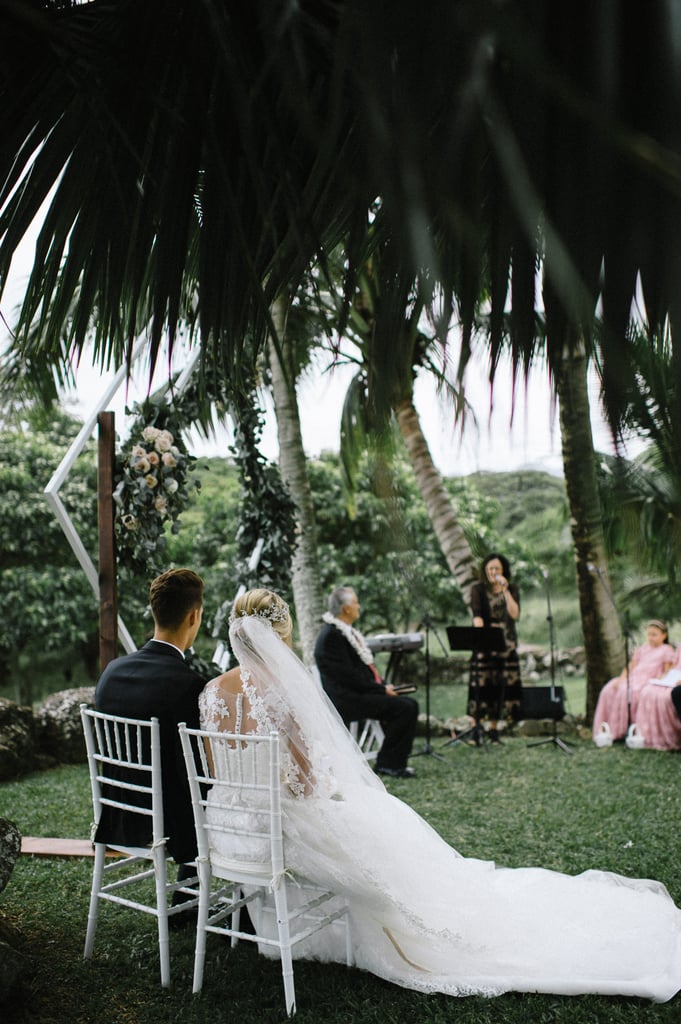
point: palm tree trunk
(306, 584)
(449, 533)
(603, 641)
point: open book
(672, 678)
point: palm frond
(192, 149)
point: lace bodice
(245, 712)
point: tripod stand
(428, 749)
(556, 694)
(479, 640)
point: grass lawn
(614, 809)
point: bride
(421, 915)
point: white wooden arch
(61, 473)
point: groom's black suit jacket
(154, 682)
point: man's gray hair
(338, 598)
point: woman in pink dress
(651, 660)
(656, 717)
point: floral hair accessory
(273, 613)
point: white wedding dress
(422, 915)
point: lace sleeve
(291, 762)
(213, 708)
(220, 709)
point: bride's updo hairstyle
(266, 605)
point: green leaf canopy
(196, 155)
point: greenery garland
(267, 511)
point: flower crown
(273, 613)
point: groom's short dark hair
(173, 595)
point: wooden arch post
(108, 590)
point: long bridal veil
(291, 698)
(422, 915)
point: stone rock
(10, 848)
(59, 731)
(16, 739)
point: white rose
(171, 485)
(164, 441)
(142, 465)
(150, 433)
(169, 460)
(160, 504)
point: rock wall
(535, 665)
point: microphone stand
(428, 749)
(626, 629)
(554, 738)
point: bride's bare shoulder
(229, 681)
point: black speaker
(543, 702)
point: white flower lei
(353, 637)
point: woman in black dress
(495, 601)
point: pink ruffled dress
(656, 717)
(647, 663)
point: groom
(351, 682)
(156, 681)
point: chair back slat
(236, 788)
(235, 783)
(124, 755)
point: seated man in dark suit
(350, 679)
(157, 682)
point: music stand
(427, 748)
(478, 640)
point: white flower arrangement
(152, 490)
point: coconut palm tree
(214, 149)
(603, 640)
(305, 575)
(412, 350)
